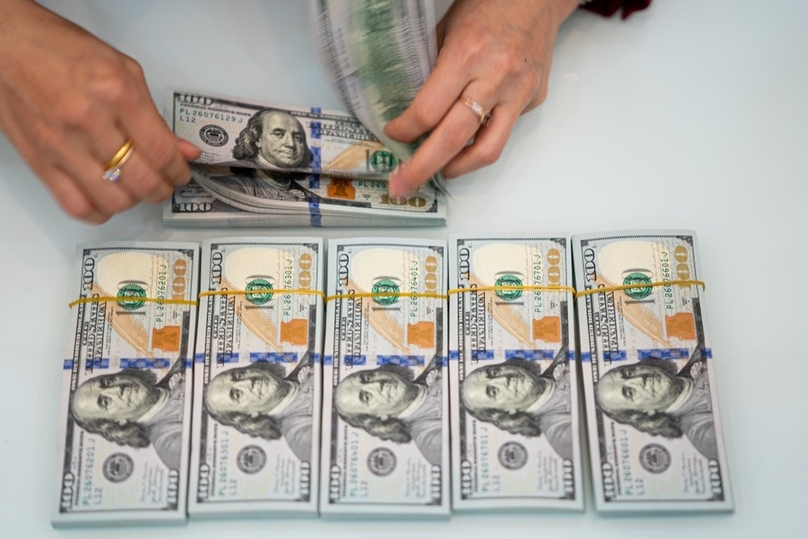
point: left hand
(69, 102)
(496, 52)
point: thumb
(188, 150)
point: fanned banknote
(222, 196)
(385, 446)
(280, 138)
(513, 383)
(257, 381)
(296, 166)
(125, 415)
(655, 438)
(378, 54)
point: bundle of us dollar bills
(385, 445)
(513, 383)
(315, 201)
(378, 54)
(655, 439)
(270, 165)
(124, 424)
(257, 379)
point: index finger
(152, 139)
(432, 102)
(442, 145)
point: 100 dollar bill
(654, 429)
(125, 414)
(378, 54)
(251, 134)
(514, 400)
(255, 443)
(235, 197)
(385, 447)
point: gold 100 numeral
(413, 201)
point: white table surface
(691, 114)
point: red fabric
(607, 8)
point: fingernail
(396, 187)
(97, 218)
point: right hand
(68, 102)
(497, 52)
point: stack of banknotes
(385, 448)
(257, 378)
(655, 439)
(444, 378)
(378, 54)
(279, 165)
(515, 433)
(269, 165)
(125, 419)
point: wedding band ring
(484, 116)
(113, 168)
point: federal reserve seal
(509, 280)
(381, 461)
(251, 459)
(383, 161)
(655, 458)
(130, 296)
(213, 135)
(118, 467)
(512, 455)
(259, 298)
(388, 289)
(641, 291)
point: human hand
(68, 103)
(495, 52)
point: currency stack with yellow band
(257, 379)
(385, 444)
(655, 439)
(513, 382)
(125, 420)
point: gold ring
(113, 168)
(483, 115)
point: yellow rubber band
(99, 299)
(541, 288)
(300, 291)
(549, 288)
(683, 282)
(433, 295)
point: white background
(691, 114)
